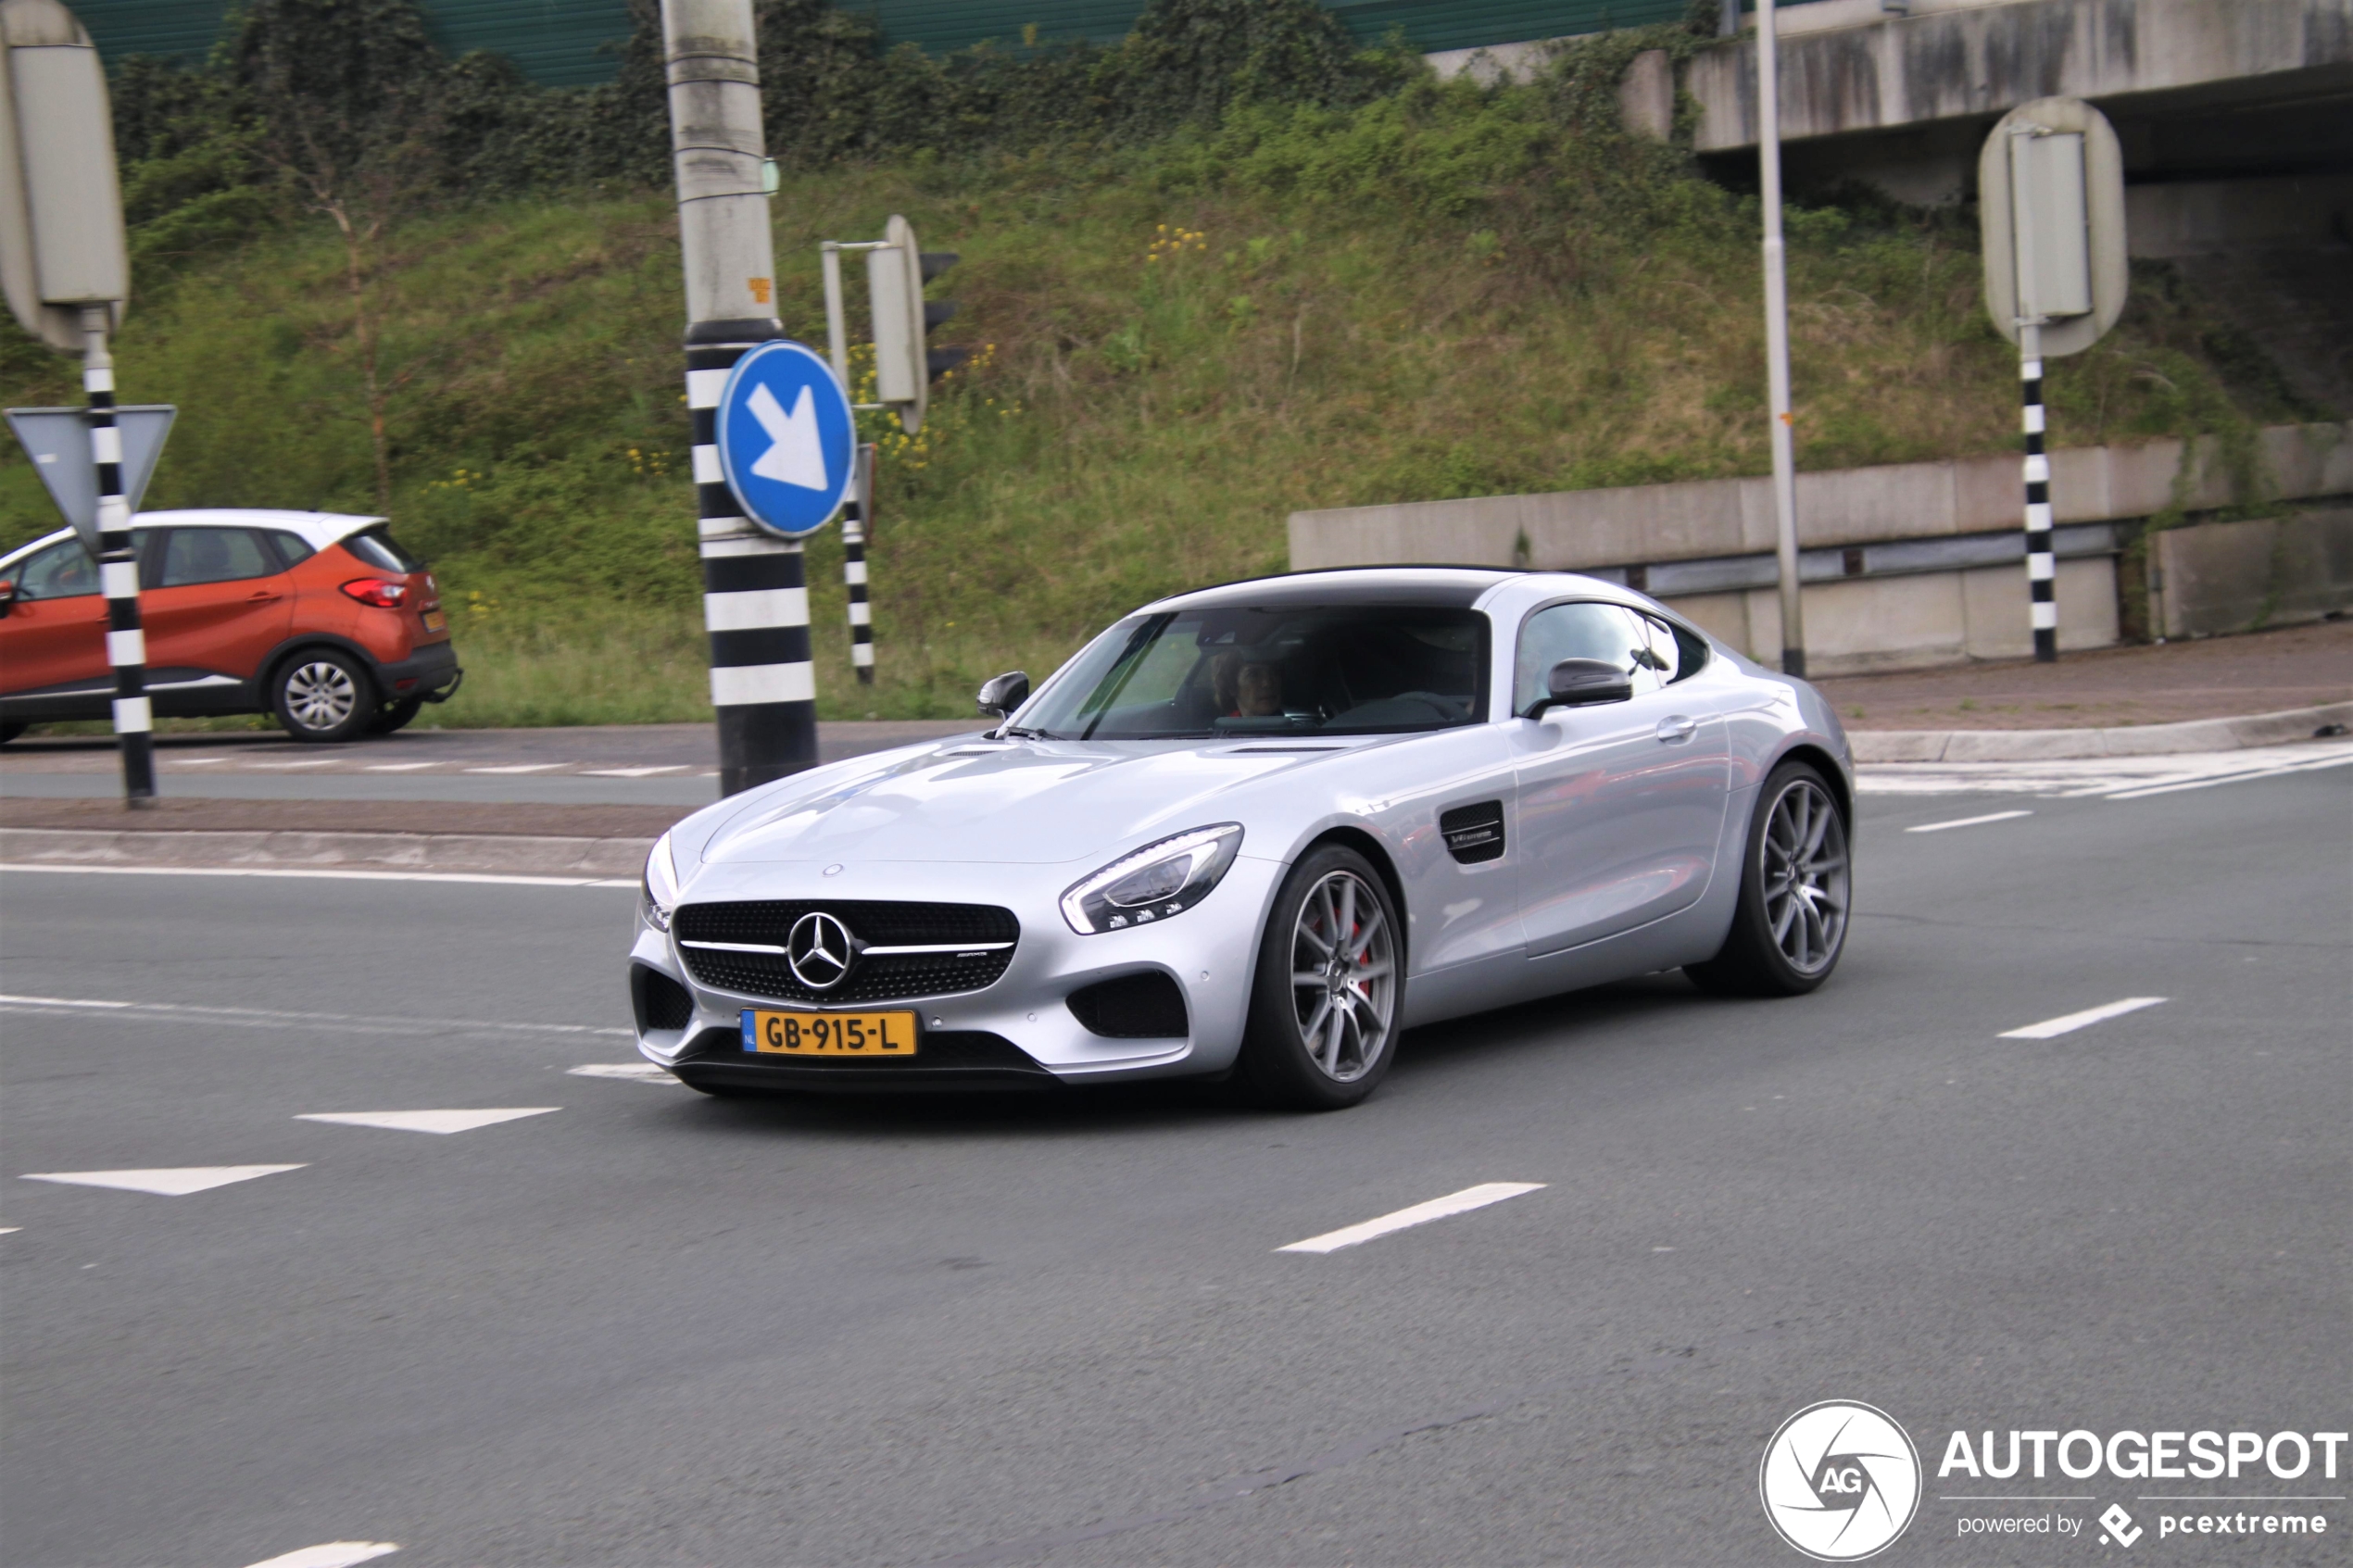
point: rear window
(378, 548)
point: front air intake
(1134, 1007)
(659, 1001)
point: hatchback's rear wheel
(1790, 924)
(1324, 1008)
(323, 694)
(11, 730)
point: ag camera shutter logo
(1840, 1481)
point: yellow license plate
(829, 1033)
(435, 620)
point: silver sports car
(1260, 829)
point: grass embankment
(1445, 293)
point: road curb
(497, 854)
(2129, 740)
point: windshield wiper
(1015, 731)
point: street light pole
(1769, 153)
(755, 591)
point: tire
(1795, 811)
(323, 696)
(1323, 1017)
(10, 729)
(394, 716)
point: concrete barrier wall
(1926, 603)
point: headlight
(657, 889)
(1154, 883)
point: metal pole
(119, 568)
(854, 514)
(1769, 153)
(755, 595)
(2042, 565)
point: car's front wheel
(1329, 988)
(323, 694)
(1789, 927)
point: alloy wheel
(320, 694)
(1803, 855)
(1344, 977)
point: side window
(64, 571)
(193, 556)
(293, 548)
(1581, 631)
(1679, 654)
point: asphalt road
(645, 1327)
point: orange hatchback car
(322, 620)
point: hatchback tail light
(377, 591)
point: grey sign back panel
(58, 442)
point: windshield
(1276, 670)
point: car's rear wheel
(10, 730)
(1328, 995)
(323, 694)
(1789, 927)
(393, 715)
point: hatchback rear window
(378, 548)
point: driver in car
(1259, 692)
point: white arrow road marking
(167, 1183)
(795, 456)
(330, 1554)
(635, 1071)
(2074, 1021)
(428, 1121)
(1419, 1214)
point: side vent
(660, 1002)
(1134, 1007)
(1473, 832)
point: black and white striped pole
(118, 568)
(2042, 564)
(853, 569)
(755, 593)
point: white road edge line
(1968, 822)
(2074, 1021)
(183, 1010)
(2319, 762)
(1419, 1214)
(317, 872)
(330, 1554)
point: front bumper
(1018, 1030)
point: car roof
(317, 530)
(1453, 587)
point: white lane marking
(268, 1018)
(397, 767)
(444, 1121)
(192, 761)
(307, 762)
(2074, 1021)
(317, 872)
(2313, 766)
(634, 772)
(330, 1554)
(10, 1230)
(1419, 1214)
(635, 1071)
(1968, 822)
(520, 768)
(169, 1181)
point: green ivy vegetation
(1223, 271)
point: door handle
(1677, 728)
(262, 597)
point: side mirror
(7, 597)
(1002, 694)
(1581, 682)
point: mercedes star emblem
(819, 951)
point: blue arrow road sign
(788, 442)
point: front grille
(875, 923)
(662, 1002)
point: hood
(1021, 802)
